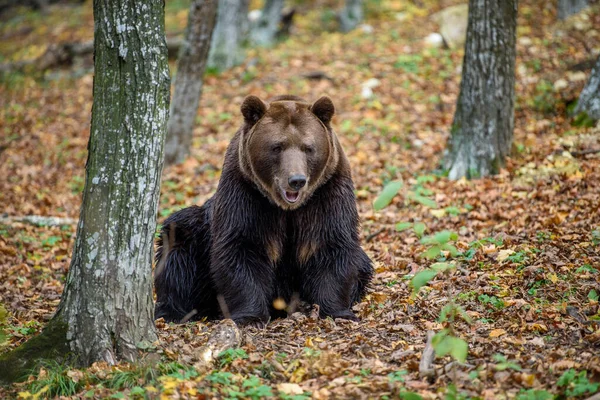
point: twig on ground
(426, 364)
(374, 235)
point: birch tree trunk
(188, 80)
(227, 43)
(267, 26)
(351, 15)
(589, 100)
(106, 310)
(566, 8)
(481, 134)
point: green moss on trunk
(51, 344)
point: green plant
(219, 377)
(445, 342)
(586, 268)
(504, 364)
(533, 394)
(576, 384)
(417, 193)
(397, 376)
(440, 242)
(251, 388)
(492, 300)
(53, 381)
(229, 355)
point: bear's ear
(323, 109)
(253, 109)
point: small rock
(434, 40)
(366, 28)
(401, 16)
(367, 88)
(561, 84)
(453, 24)
(525, 41)
(578, 76)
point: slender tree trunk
(106, 310)
(188, 81)
(566, 8)
(267, 26)
(589, 100)
(226, 48)
(351, 15)
(482, 130)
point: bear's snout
(297, 181)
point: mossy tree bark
(227, 46)
(106, 310)
(264, 31)
(589, 100)
(566, 8)
(188, 80)
(482, 130)
(351, 15)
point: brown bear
(282, 224)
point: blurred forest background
(517, 253)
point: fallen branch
(426, 363)
(584, 152)
(38, 220)
(65, 53)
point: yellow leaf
(25, 395)
(438, 213)
(290, 388)
(553, 278)
(497, 333)
(298, 375)
(504, 254)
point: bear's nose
(297, 182)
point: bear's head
(288, 148)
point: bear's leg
(365, 273)
(330, 281)
(243, 276)
(184, 289)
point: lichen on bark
(588, 104)
(481, 133)
(106, 310)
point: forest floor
(528, 268)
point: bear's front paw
(250, 321)
(344, 314)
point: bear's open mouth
(290, 197)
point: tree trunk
(351, 15)
(482, 130)
(267, 26)
(566, 8)
(106, 310)
(589, 100)
(188, 81)
(226, 48)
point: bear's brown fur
(282, 222)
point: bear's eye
(309, 149)
(276, 149)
